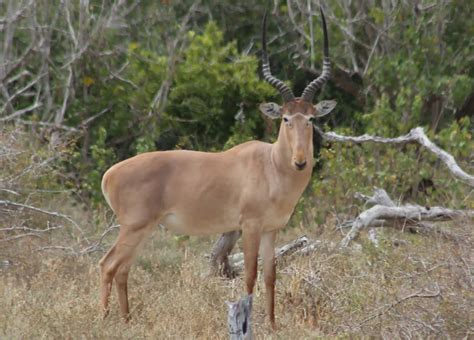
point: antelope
(252, 187)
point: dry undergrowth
(409, 286)
(422, 288)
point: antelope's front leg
(251, 242)
(267, 252)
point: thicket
(93, 83)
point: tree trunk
(220, 254)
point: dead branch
(292, 247)
(68, 249)
(416, 135)
(419, 294)
(49, 125)
(300, 246)
(21, 112)
(29, 232)
(16, 94)
(42, 211)
(97, 245)
(381, 213)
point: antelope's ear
(324, 107)
(271, 110)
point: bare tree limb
(33, 232)
(416, 213)
(416, 135)
(67, 88)
(16, 94)
(97, 245)
(43, 211)
(50, 125)
(388, 307)
(69, 249)
(21, 112)
(301, 246)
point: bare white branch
(381, 212)
(67, 88)
(416, 135)
(30, 232)
(19, 92)
(7, 203)
(21, 112)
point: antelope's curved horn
(284, 90)
(316, 84)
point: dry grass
(329, 293)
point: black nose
(300, 166)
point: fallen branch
(416, 135)
(386, 308)
(68, 249)
(413, 213)
(300, 246)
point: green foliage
(210, 85)
(101, 157)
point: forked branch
(380, 213)
(416, 135)
(43, 211)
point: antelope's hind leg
(116, 265)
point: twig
(60, 114)
(374, 46)
(94, 117)
(21, 112)
(69, 249)
(95, 246)
(46, 124)
(16, 94)
(51, 213)
(33, 232)
(291, 15)
(388, 307)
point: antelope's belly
(182, 222)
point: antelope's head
(298, 113)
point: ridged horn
(284, 90)
(317, 83)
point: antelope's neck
(282, 155)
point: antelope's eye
(285, 120)
(312, 120)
